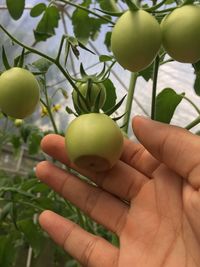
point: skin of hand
(150, 199)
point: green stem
(196, 108)
(164, 10)
(193, 123)
(32, 50)
(49, 110)
(129, 101)
(48, 107)
(132, 6)
(60, 49)
(154, 87)
(86, 10)
(167, 61)
(108, 70)
(153, 8)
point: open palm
(150, 199)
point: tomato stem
(195, 107)
(154, 87)
(193, 123)
(132, 6)
(60, 48)
(129, 101)
(164, 10)
(153, 8)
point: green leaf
(5, 59)
(64, 93)
(166, 103)
(25, 131)
(34, 142)
(5, 210)
(21, 59)
(147, 73)
(16, 142)
(32, 234)
(85, 48)
(70, 111)
(37, 10)
(46, 27)
(115, 108)
(196, 67)
(188, 2)
(15, 8)
(7, 251)
(197, 85)
(168, 2)
(104, 58)
(109, 5)
(107, 41)
(85, 27)
(42, 64)
(111, 96)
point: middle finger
(122, 180)
(97, 203)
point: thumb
(175, 147)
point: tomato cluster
(137, 37)
(93, 140)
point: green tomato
(95, 89)
(18, 122)
(135, 40)
(94, 141)
(19, 92)
(181, 34)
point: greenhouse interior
(73, 75)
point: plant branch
(132, 6)
(193, 123)
(48, 106)
(129, 101)
(164, 10)
(154, 87)
(192, 103)
(60, 49)
(153, 8)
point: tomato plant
(180, 33)
(135, 40)
(100, 144)
(92, 111)
(19, 93)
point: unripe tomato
(18, 122)
(135, 40)
(94, 141)
(19, 92)
(95, 89)
(181, 34)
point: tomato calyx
(89, 94)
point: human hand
(150, 199)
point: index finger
(178, 148)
